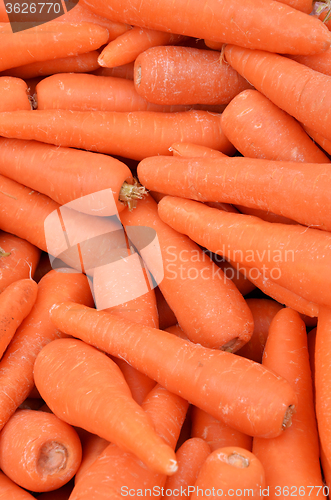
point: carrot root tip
(52, 458)
(173, 467)
(131, 193)
(232, 345)
(287, 422)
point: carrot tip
(173, 467)
(287, 422)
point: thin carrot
(192, 283)
(227, 235)
(93, 446)
(39, 451)
(16, 302)
(127, 47)
(318, 62)
(190, 150)
(260, 129)
(280, 28)
(183, 75)
(90, 403)
(319, 139)
(288, 84)
(216, 433)
(14, 94)
(11, 491)
(230, 471)
(186, 369)
(291, 461)
(213, 45)
(16, 366)
(125, 71)
(132, 135)
(258, 183)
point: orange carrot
(186, 369)
(288, 84)
(240, 280)
(16, 366)
(260, 183)
(216, 433)
(318, 62)
(16, 302)
(259, 129)
(192, 284)
(132, 135)
(196, 151)
(280, 28)
(127, 47)
(291, 461)
(14, 94)
(39, 451)
(303, 5)
(92, 449)
(11, 491)
(319, 139)
(264, 215)
(227, 233)
(161, 76)
(91, 403)
(125, 71)
(230, 471)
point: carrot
(280, 28)
(167, 317)
(186, 369)
(303, 5)
(319, 139)
(16, 366)
(211, 44)
(11, 491)
(39, 451)
(260, 183)
(18, 259)
(288, 84)
(127, 47)
(92, 449)
(291, 461)
(16, 302)
(45, 42)
(239, 279)
(176, 330)
(216, 433)
(259, 129)
(132, 135)
(90, 404)
(190, 150)
(230, 471)
(227, 235)
(24, 162)
(192, 284)
(14, 94)
(190, 457)
(161, 76)
(318, 62)
(125, 71)
(263, 311)
(115, 472)
(264, 215)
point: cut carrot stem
(132, 135)
(9, 490)
(286, 354)
(198, 374)
(14, 94)
(39, 451)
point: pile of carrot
(165, 250)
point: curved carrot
(14, 94)
(280, 28)
(259, 129)
(257, 183)
(16, 302)
(288, 84)
(132, 135)
(16, 366)
(127, 47)
(91, 404)
(125, 71)
(216, 433)
(11, 491)
(183, 75)
(92, 449)
(212, 390)
(39, 451)
(227, 233)
(230, 471)
(292, 460)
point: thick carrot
(39, 451)
(14, 94)
(48, 41)
(183, 75)
(93, 446)
(25, 161)
(16, 302)
(291, 461)
(288, 84)
(125, 71)
(192, 284)
(16, 366)
(198, 374)
(230, 471)
(11, 491)
(132, 135)
(127, 47)
(228, 233)
(284, 188)
(280, 28)
(216, 433)
(260, 129)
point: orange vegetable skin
(14, 94)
